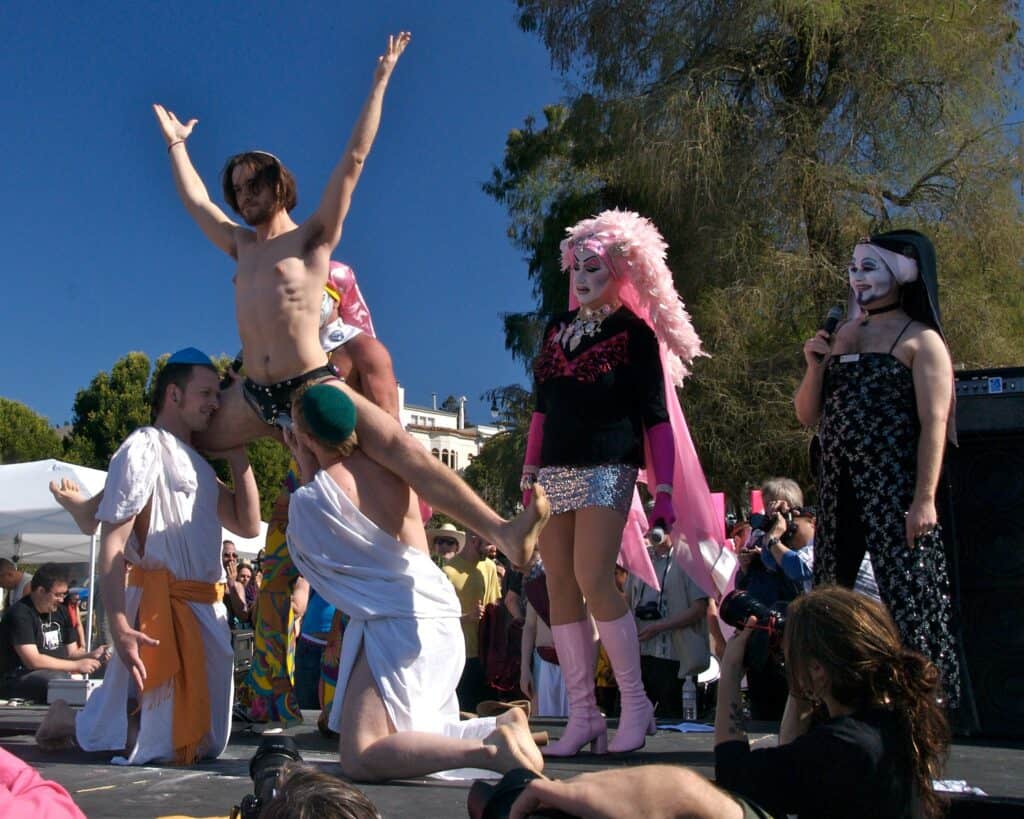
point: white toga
(403, 610)
(184, 537)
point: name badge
(849, 358)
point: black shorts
(271, 401)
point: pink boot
(636, 720)
(577, 654)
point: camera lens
(738, 605)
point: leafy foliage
(764, 137)
(108, 410)
(25, 435)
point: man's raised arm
(324, 226)
(218, 228)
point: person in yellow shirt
(474, 575)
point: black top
(851, 766)
(598, 397)
(23, 625)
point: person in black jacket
(863, 734)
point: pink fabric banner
(756, 502)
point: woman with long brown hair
(863, 734)
(864, 731)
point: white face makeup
(592, 281)
(870, 278)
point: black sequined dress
(869, 436)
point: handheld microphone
(835, 315)
(657, 535)
(832, 319)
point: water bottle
(689, 700)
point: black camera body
(766, 642)
(764, 522)
(273, 753)
(489, 800)
(648, 611)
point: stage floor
(210, 789)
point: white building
(444, 434)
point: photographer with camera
(285, 787)
(672, 627)
(762, 579)
(788, 544)
(878, 739)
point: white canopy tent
(34, 528)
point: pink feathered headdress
(352, 307)
(635, 252)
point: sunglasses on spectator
(445, 541)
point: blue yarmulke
(190, 355)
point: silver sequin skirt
(575, 487)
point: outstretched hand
(127, 643)
(386, 62)
(173, 130)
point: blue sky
(101, 258)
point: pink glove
(661, 445)
(531, 463)
(662, 512)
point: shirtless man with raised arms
(282, 268)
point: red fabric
(500, 643)
(24, 794)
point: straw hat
(447, 530)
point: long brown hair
(856, 641)
(268, 171)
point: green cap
(329, 413)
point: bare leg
(57, 730)
(69, 495)
(233, 424)
(384, 441)
(598, 536)
(557, 547)
(372, 751)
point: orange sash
(165, 615)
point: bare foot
(519, 535)
(506, 717)
(69, 495)
(513, 744)
(57, 731)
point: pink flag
(756, 502)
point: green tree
(269, 461)
(764, 137)
(108, 410)
(25, 435)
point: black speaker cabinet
(986, 504)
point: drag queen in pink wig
(606, 407)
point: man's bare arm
(239, 510)
(127, 640)
(32, 658)
(214, 223)
(324, 226)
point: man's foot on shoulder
(57, 730)
(514, 745)
(69, 495)
(521, 533)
